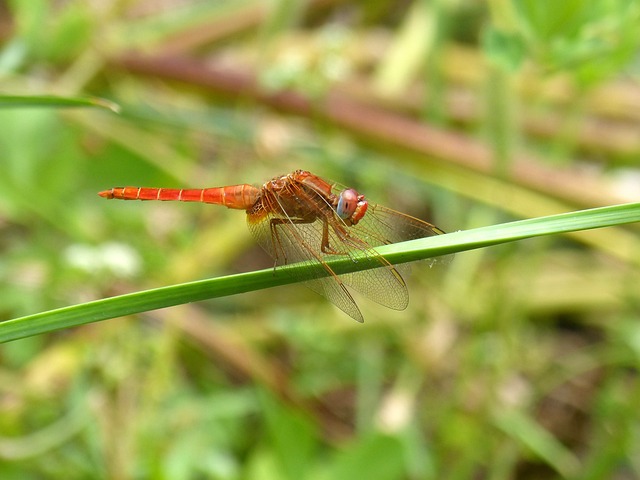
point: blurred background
(519, 361)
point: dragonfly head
(351, 206)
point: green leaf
(505, 49)
(376, 457)
(17, 101)
(292, 436)
(246, 282)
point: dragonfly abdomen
(236, 196)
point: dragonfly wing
(337, 294)
(289, 240)
(289, 243)
(383, 226)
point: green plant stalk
(245, 282)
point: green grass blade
(52, 101)
(233, 284)
(527, 431)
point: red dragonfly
(300, 217)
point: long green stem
(233, 284)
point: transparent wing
(289, 243)
(383, 226)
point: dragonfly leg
(340, 232)
(278, 249)
(324, 245)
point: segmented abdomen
(240, 197)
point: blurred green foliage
(591, 41)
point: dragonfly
(300, 217)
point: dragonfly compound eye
(351, 206)
(347, 203)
